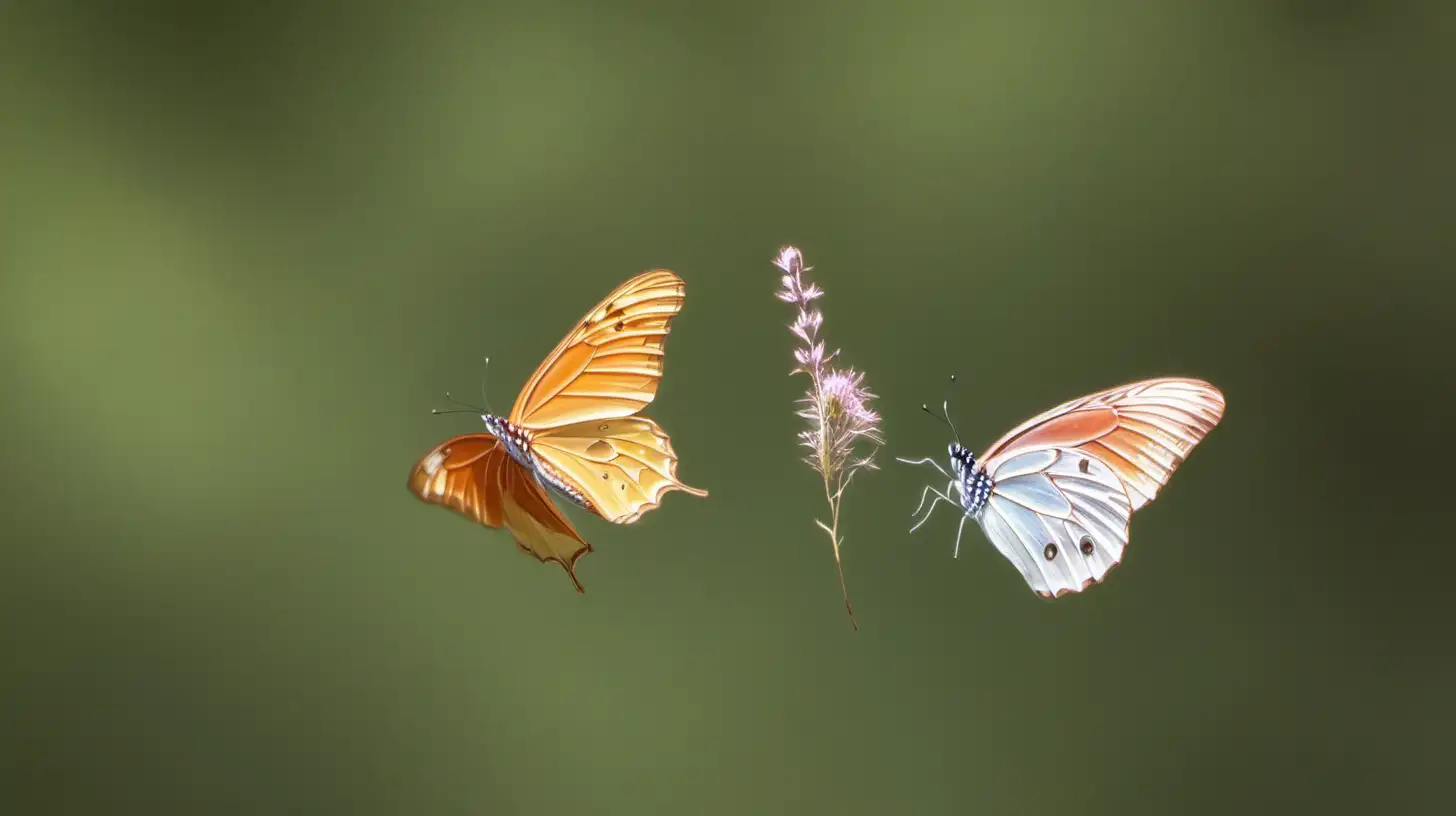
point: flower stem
(834, 539)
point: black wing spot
(619, 325)
(1087, 545)
(1050, 552)
(1084, 466)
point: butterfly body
(1056, 494)
(516, 440)
(574, 431)
(517, 444)
(972, 485)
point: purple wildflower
(843, 431)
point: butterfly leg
(926, 461)
(939, 497)
(959, 530)
(926, 493)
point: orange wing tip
(672, 488)
(657, 502)
(571, 573)
(569, 566)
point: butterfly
(1057, 493)
(572, 430)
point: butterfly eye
(1050, 552)
(1084, 466)
(1086, 545)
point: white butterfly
(1056, 494)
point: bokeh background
(247, 247)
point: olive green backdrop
(246, 248)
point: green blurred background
(245, 248)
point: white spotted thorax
(972, 485)
(517, 442)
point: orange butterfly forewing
(610, 364)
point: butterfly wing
(609, 365)
(473, 475)
(623, 466)
(1143, 431)
(1065, 483)
(537, 524)
(1061, 519)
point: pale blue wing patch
(1033, 462)
(1035, 491)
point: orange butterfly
(572, 429)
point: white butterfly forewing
(1156, 423)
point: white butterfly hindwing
(1061, 518)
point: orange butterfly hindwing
(473, 475)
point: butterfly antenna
(944, 415)
(944, 420)
(484, 375)
(945, 410)
(465, 407)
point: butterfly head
(962, 461)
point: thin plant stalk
(841, 424)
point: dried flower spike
(843, 432)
